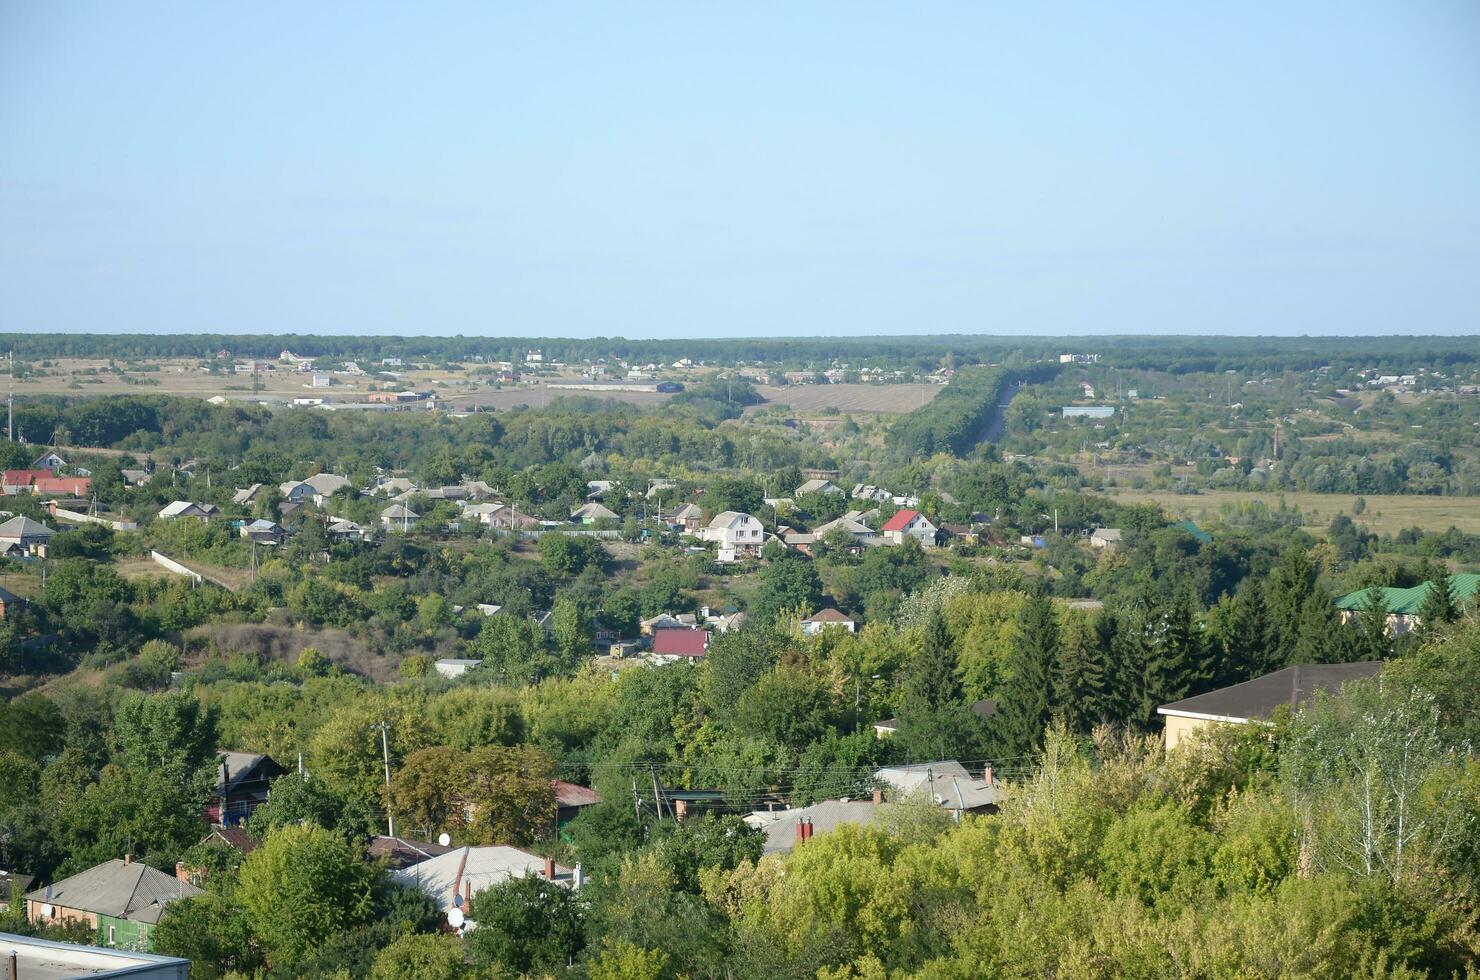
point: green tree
(1373, 641)
(211, 931)
(1079, 679)
(935, 721)
(787, 583)
(526, 924)
(1023, 702)
(512, 647)
(420, 957)
(1440, 605)
(170, 733)
(302, 885)
(572, 628)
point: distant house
(452, 878)
(501, 517)
(689, 517)
(827, 619)
(571, 799)
(451, 667)
(136, 478)
(1105, 537)
(592, 513)
(1257, 699)
(1402, 605)
(25, 536)
(393, 487)
(673, 645)
(858, 532)
(21, 481)
(13, 885)
(247, 497)
(242, 779)
(263, 531)
(910, 524)
(787, 829)
(315, 488)
(62, 486)
(50, 461)
(738, 535)
(399, 517)
(1088, 411)
(817, 486)
(342, 530)
(186, 509)
(121, 900)
(946, 782)
(598, 489)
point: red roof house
(62, 486)
(680, 643)
(909, 524)
(22, 479)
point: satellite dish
(444, 839)
(455, 918)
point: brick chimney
(181, 873)
(801, 832)
(807, 829)
(987, 775)
(128, 859)
(550, 868)
(878, 796)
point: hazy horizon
(669, 173)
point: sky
(726, 170)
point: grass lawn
(1384, 514)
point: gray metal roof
(122, 889)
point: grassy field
(1384, 513)
(880, 399)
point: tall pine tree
(1372, 640)
(1079, 678)
(1175, 665)
(935, 721)
(1290, 583)
(1023, 703)
(1440, 606)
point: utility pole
(10, 402)
(386, 754)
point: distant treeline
(956, 418)
(1178, 355)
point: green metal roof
(1191, 528)
(1406, 602)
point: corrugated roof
(901, 520)
(122, 889)
(1407, 602)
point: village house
(672, 645)
(910, 524)
(186, 509)
(50, 461)
(453, 667)
(247, 497)
(1105, 537)
(62, 486)
(827, 619)
(788, 829)
(402, 852)
(947, 783)
(136, 478)
(1256, 700)
(316, 488)
(1402, 605)
(817, 486)
(24, 536)
(343, 530)
(592, 513)
(242, 779)
(262, 531)
(121, 900)
(738, 535)
(689, 518)
(398, 517)
(451, 879)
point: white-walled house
(738, 535)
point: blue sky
(746, 169)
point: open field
(1384, 514)
(881, 399)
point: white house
(818, 486)
(184, 508)
(1104, 537)
(738, 535)
(910, 524)
(827, 619)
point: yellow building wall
(1178, 728)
